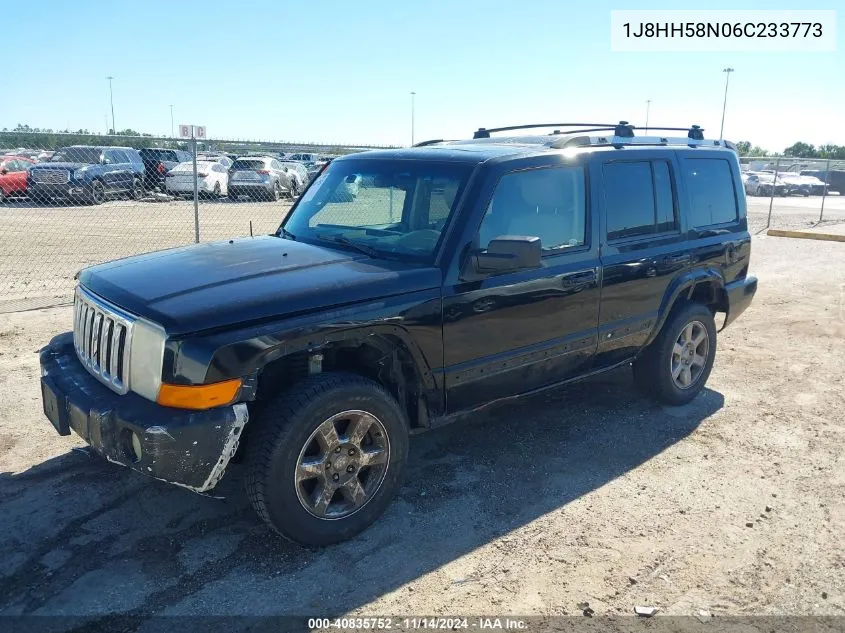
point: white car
(298, 174)
(212, 178)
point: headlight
(145, 360)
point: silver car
(261, 178)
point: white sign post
(194, 132)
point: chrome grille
(102, 334)
(50, 176)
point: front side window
(394, 208)
(548, 203)
(711, 191)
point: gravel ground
(732, 504)
(42, 248)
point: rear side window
(711, 190)
(638, 199)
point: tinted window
(639, 199)
(711, 191)
(546, 203)
(154, 153)
(629, 199)
(244, 163)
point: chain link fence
(68, 201)
(793, 193)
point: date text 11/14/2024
(417, 623)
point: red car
(13, 175)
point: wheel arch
(704, 285)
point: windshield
(88, 155)
(394, 208)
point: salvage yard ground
(734, 504)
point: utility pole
(111, 100)
(727, 72)
(647, 108)
(171, 121)
(413, 95)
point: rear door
(643, 247)
(112, 177)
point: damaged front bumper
(187, 448)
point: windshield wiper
(287, 233)
(340, 239)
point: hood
(70, 166)
(221, 284)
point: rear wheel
(294, 189)
(675, 366)
(2, 195)
(325, 458)
(276, 195)
(217, 190)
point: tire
(654, 368)
(294, 189)
(276, 195)
(2, 195)
(285, 433)
(137, 191)
(233, 197)
(217, 190)
(98, 192)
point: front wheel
(326, 458)
(675, 366)
(294, 190)
(98, 192)
(137, 191)
(218, 191)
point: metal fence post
(824, 191)
(772, 197)
(196, 190)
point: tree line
(49, 139)
(796, 150)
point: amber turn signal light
(198, 396)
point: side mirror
(286, 169)
(509, 253)
(4, 171)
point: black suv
(158, 161)
(461, 274)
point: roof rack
(433, 141)
(623, 128)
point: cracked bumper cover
(187, 448)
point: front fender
(683, 286)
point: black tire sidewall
(666, 389)
(94, 187)
(285, 512)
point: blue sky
(338, 71)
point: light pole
(171, 121)
(111, 100)
(413, 95)
(727, 72)
(647, 108)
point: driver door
(510, 332)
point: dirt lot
(41, 248)
(734, 504)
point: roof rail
(637, 141)
(484, 132)
(429, 142)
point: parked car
(797, 184)
(158, 161)
(304, 157)
(88, 173)
(13, 176)
(469, 273)
(759, 183)
(212, 178)
(298, 174)
(835, 178)
(260, 177)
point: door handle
(579, 279)
(671, 260)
